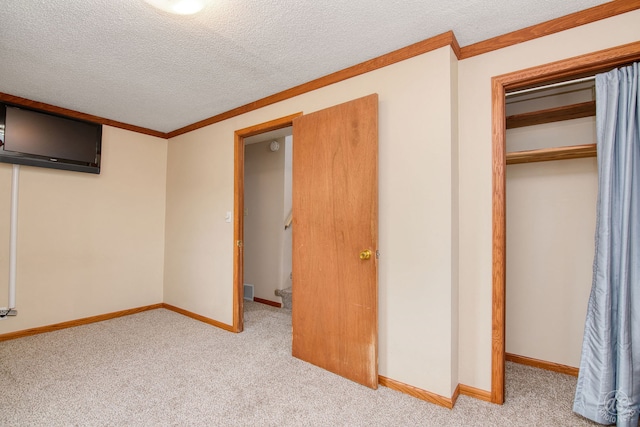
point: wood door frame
(575, 67)
(238, 209)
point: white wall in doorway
(264, 203)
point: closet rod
(533, 89)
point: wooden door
(335, 220)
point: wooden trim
(418, 392)
(587, 16)
(454, 397)
(269, 126)
(498, 242)
(569, 68)
(476, 393)
(238, 233)
(542, 364)
(199, 317)
(566, 22)
(4, 97)
(267, 302)
(238, 210)
(579, 66)
(108, 316)
(407, 52)
(454, 46)
(549, 154)
(433, 43)
(551, 115)
(77, 322)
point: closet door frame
(572, 68)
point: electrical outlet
(4, 312)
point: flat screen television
(37, 138)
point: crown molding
(433, 43)
(24, 102)
(603, 11)
(587, 16)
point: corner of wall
(164, 215)
(455, 212)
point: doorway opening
(275, 128)
(267, 218)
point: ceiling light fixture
(179, 7)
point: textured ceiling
(126, 61)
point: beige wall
(551, 217)
(88, 244)
(475, 170)
(198, 242)
(415, 194)
(264, 190)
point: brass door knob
(366, 254)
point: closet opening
(551, 195)
(561, 71)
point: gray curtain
(608, 389)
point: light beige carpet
(161, 368)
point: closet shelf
(548, 154)
(567, 112)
